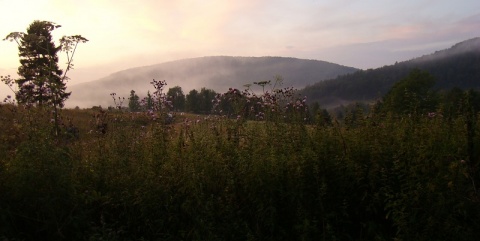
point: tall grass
(221, 178)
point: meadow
(281, 173)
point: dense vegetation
(270, 171)
(454, 67)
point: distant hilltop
(215, 72)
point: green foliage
(192, 103)
(206, 100)
(200, 102)
(411, 95)
(369, 176)
(177, 97)
(134, 102)
(454, 67)
(148, 101)
(323, 118)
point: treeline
(415, 93)
(207, 101)
(198, 102)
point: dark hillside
(458, 66)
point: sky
(126, 34)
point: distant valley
(327, 83)
(217, 73)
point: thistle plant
(117, 100)
(277, 104)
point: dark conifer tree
(133, 102)
(40, 79)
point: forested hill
(217, 73)
(458, 66)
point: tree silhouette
(193, 101)
(41, 80)
(133, 102)
(177, 97)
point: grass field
(375, 177)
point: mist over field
(217, 73)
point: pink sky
(126, 34)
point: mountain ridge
(328, 83)
(214, 72)
(458, 48)
(457, 66)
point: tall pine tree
(40, 79)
